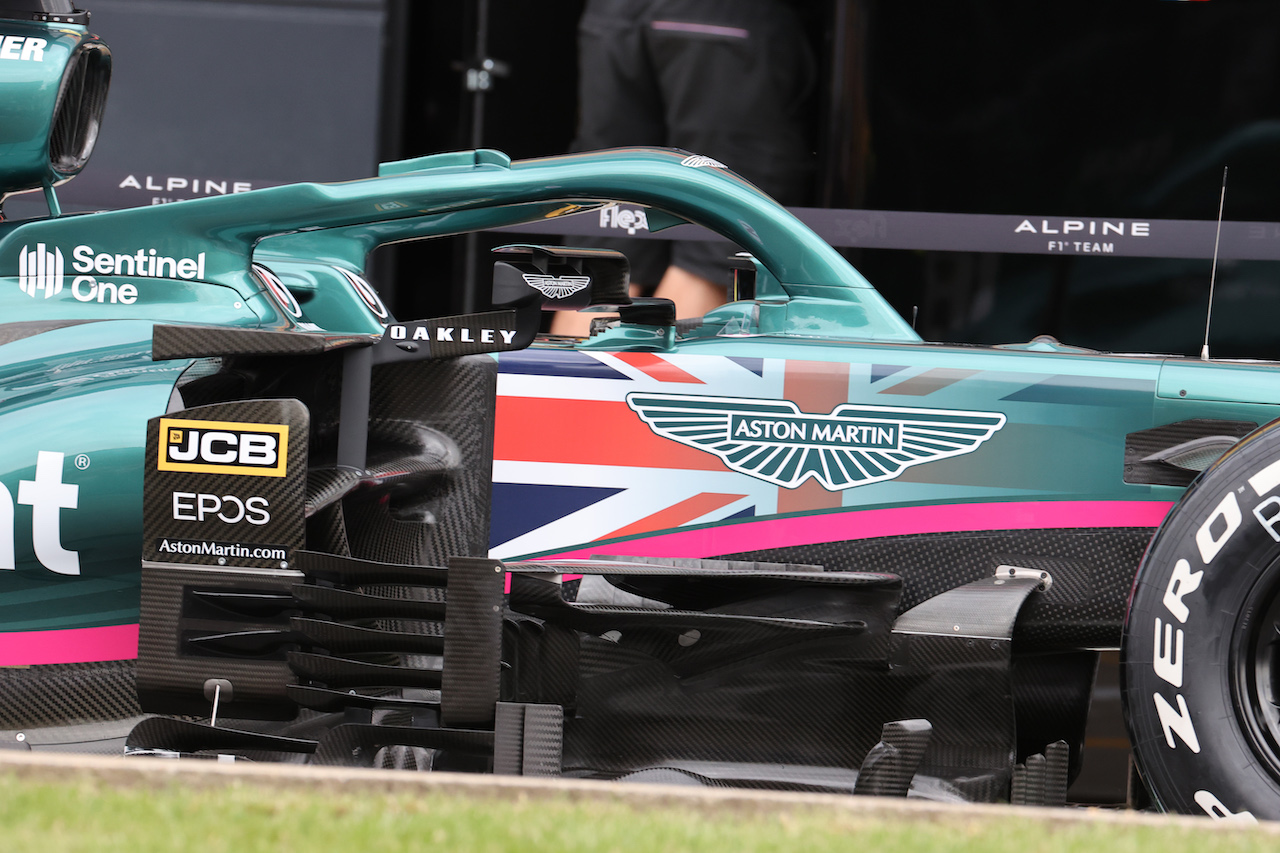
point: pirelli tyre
(1201, 648)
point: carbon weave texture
(508, 738)
(1092, 573)
(631, 714)
(284, 495)
(339, 672)
(1042, 779)
(891, 764)
(724, 774)
(171, 681)
(1055, 755)
(347, 604)
(343, 639)
(431, 451)
(327, 485)
(67, 694)
(695, 641)
(1141, 444)
(543, 747)
(453, 397)
(199, 341)
(1052, 695)
(411, 758)
(438, 327)
(543, 662)
(327, 531)
(188, 736)
(472, 642)
(819, 701)
(985, 608)
(961, 641)
(710, 565)
(358, 744)
(962, 686)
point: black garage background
(1091, 109)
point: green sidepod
(75, 402)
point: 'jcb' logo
(218, 447)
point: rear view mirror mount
(561, 277)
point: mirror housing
(561, 278)
(56, 74)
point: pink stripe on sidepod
(874, 523)
(73, 645)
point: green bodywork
(31, 77)
(77, 379)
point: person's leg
(692, 294)
(734, 77)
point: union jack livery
(247, 513)
(632, 453)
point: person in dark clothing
(728, 79)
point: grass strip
(87, 814)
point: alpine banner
(968, 232)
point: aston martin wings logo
(554, 287)
(774, 441)
(699, 161)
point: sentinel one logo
(144, 263)
(218, 447)
(40, 269)
(774, 441)
(47, 496)
(554, 287)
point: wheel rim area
(1255, 654)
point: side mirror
(562, 278)
(54, 78)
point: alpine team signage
(970, 232)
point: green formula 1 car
(244, 512)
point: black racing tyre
(1201, 650)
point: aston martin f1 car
(247, 513)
